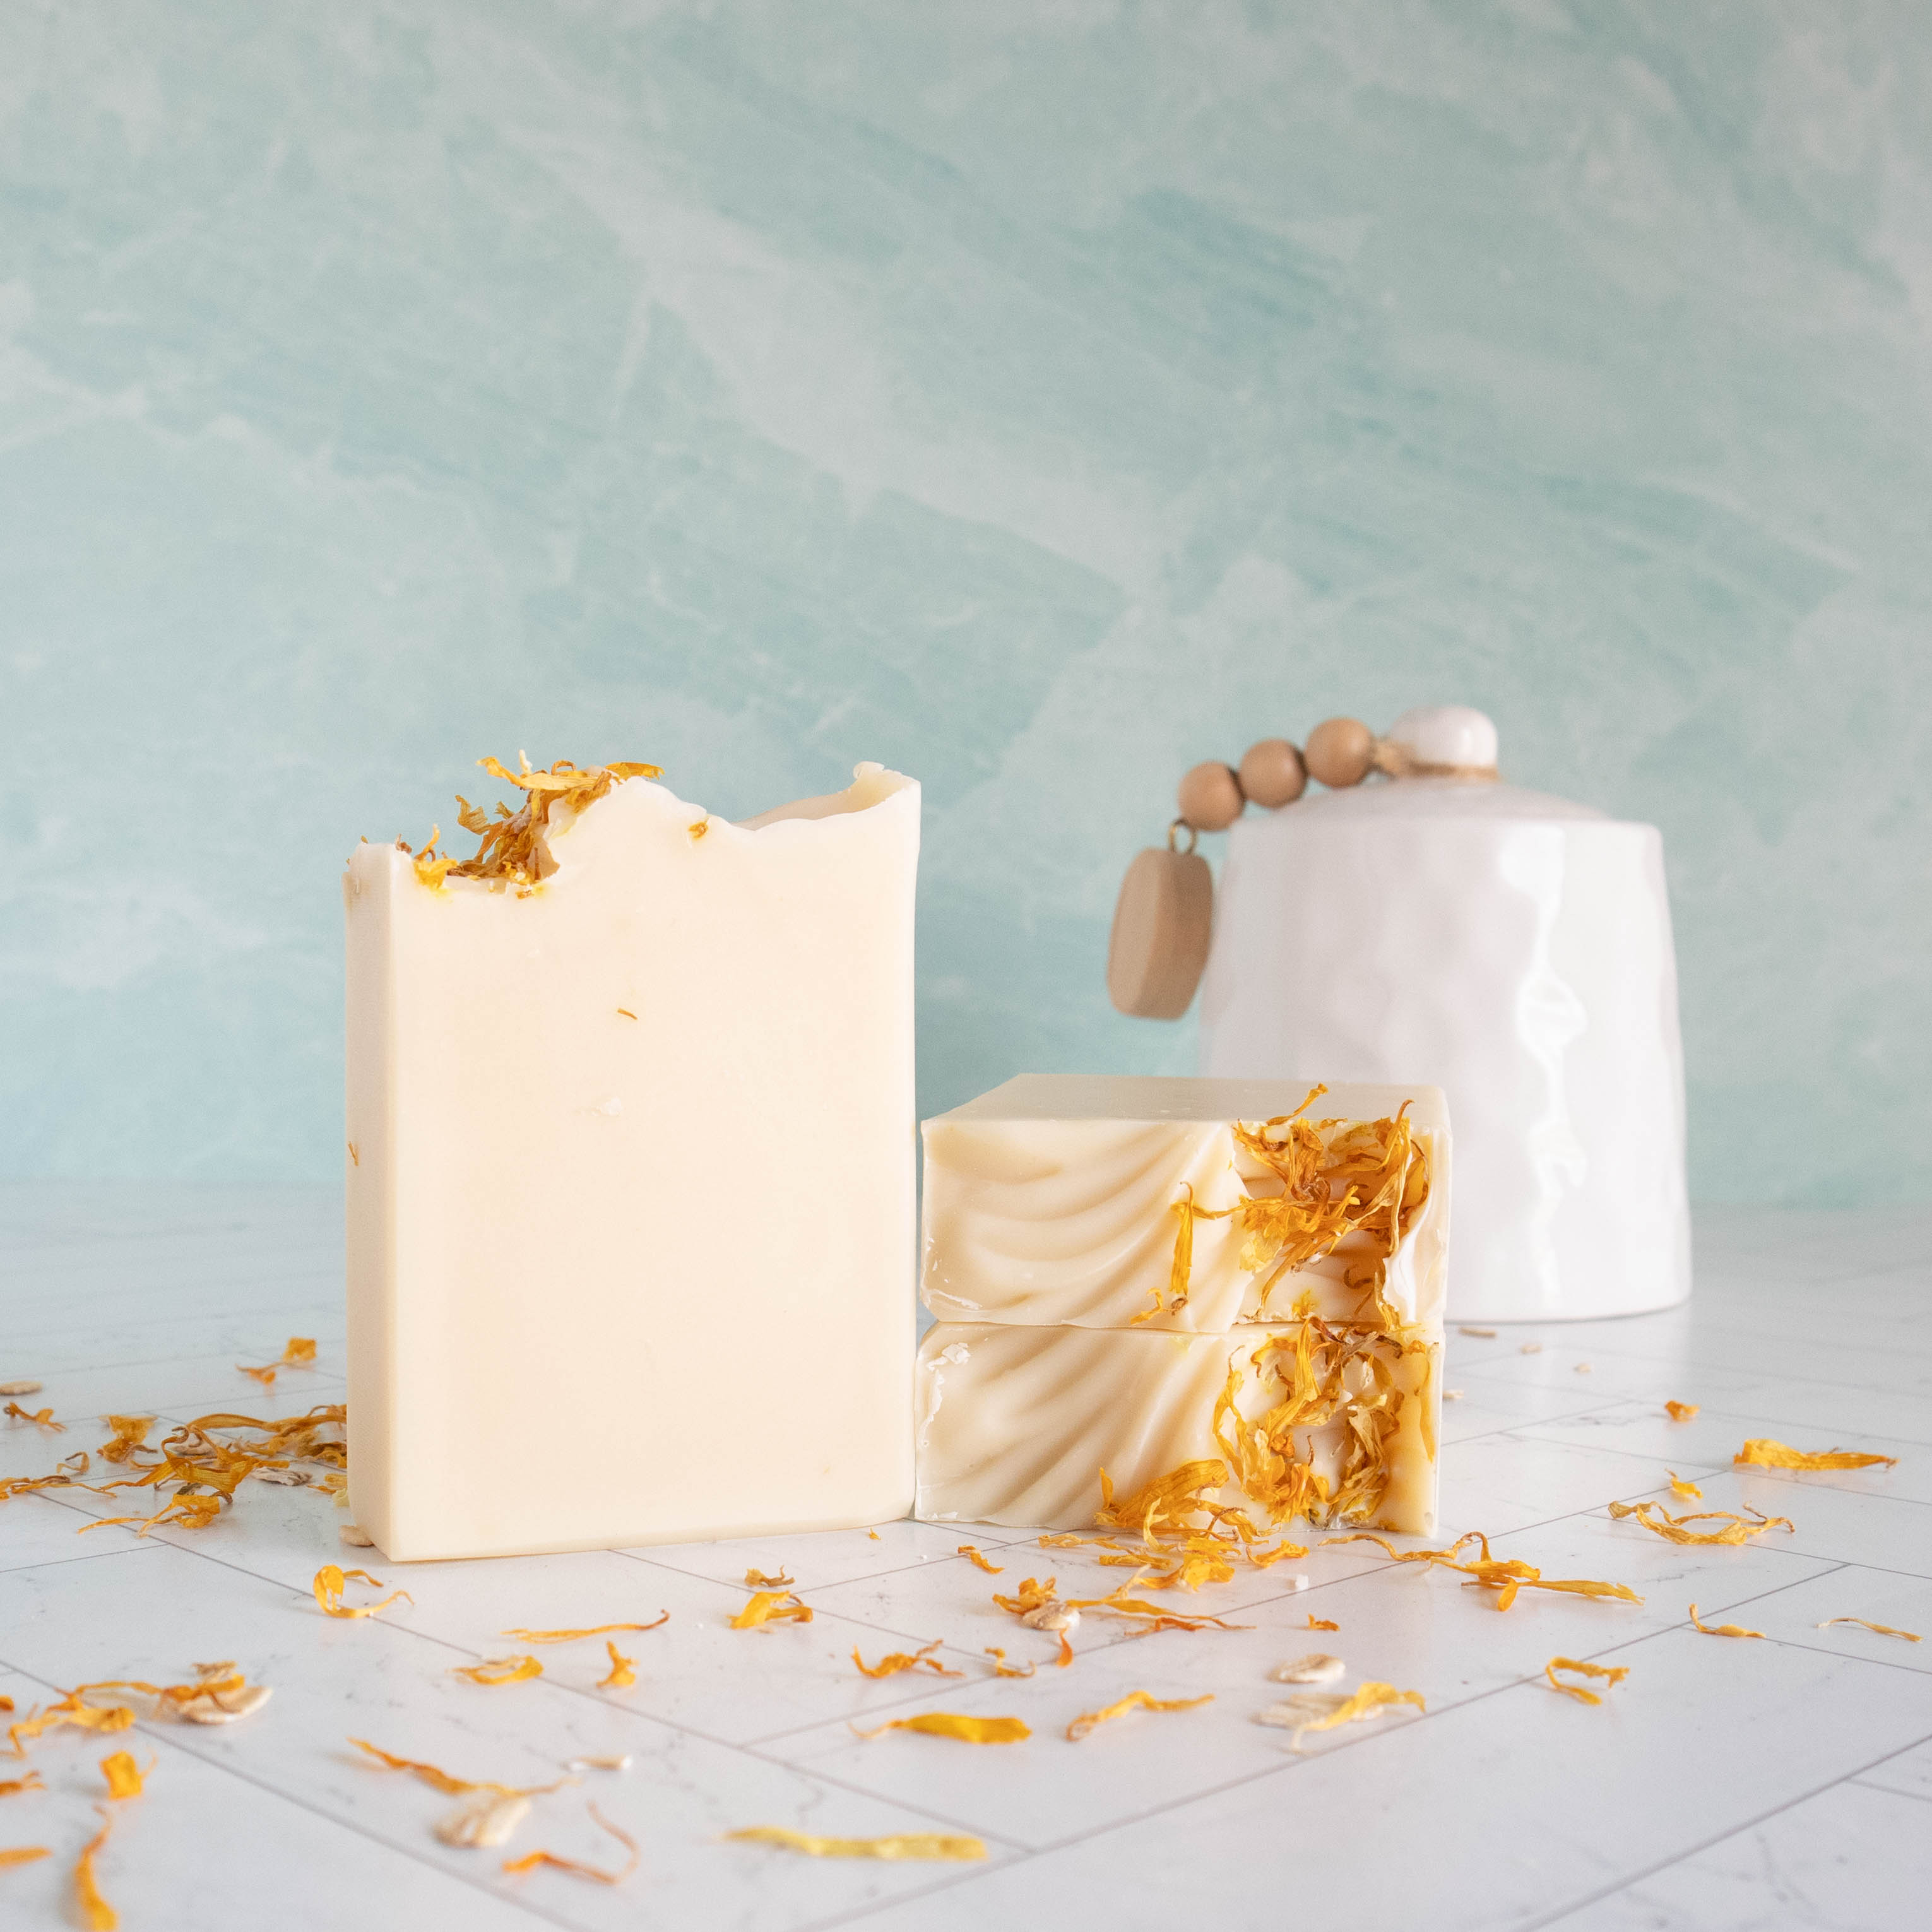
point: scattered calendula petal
(499, 1670)
(531, 1861)
(1764, 1453)
(1737, 1530)
(355, 1535)
(65, 1474)
(951, 1724)
(627, 1013)
(1001, 1668)
(1610, 1674)
(1681, 1412)
(1317, 1667)
(12, 1787)
(40, 1418)
(979, 1559)
(22, 1855)
(697, 829)
(1883, 1629)
(125, 1777)
(1532, 1348)
(756, 1579)
(1321, 1623)
(1368, 1700)
(28, 1386)
(771, 1606)
(621, 1762)
(70, 1711)
(1687, 1492)
(130, 1433)
(439, 1780)
(904, 1845)
(96, 1914)
(874, 1534)
(1066, 1656)
(890, 1665)
(1721, 1629)
(330, 1583)
(487, 1820)
(572, 1635)
(1452, 1395)
(623, 1672)
(1134, 1700)
(1483, 1334)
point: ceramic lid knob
(1210, 798)
(1446, 734)
(1340, 750)
(1272, 773)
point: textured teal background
(1037, 397)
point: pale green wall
(1039, 397)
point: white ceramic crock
(1514, 949)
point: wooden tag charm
(1161, 925)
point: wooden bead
(1272, 773)
(1161, 925)
(1210, 797)
(1340, 750)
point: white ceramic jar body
(1515, 950)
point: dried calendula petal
(41, 1418)
(1881, 1630)
(1737, 1529)
(621, 1762)
(125, 1777)
(571, 1635)
(499, 1670)
(514, 850)
(487, 1820)
(439, 1780)
(771, 1606)
(1321, 1623)
(96, 1914)
(1001, 1668)
(1721, 1630)
(70, 1711)
(979, 1559)
(531, 1861)
(1681, 1412)
(1134, 1700)
(22, 1855)
(951, 1724)
(1684, 1492)
(1765, 1453)
(623, 1670)
(131, 1432)
(330, 1582)
(894, 1661)
(12, 1787)
(1368, 1700)
(1610, 1673)
(756, 1579)
(1317, 1667)
(904, 1845)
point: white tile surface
(1725, 1784)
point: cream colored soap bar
(630, 1227)
(1136, 1274)
(1055, 1198)
(1015, 1424)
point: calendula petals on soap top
(1089, 1721)
(903, 1845)
(1763, 1452)
(892, 1664)
(952, 1724)
(771, 1606)
(331, 1582)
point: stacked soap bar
(630, 1171)
(1132, 1275)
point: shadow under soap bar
(631, 1186)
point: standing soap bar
(631, 1219)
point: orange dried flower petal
(756, 1579)
(623, 1673)
(571, 1635)
(1681, 1412)
(771, 1606)
(892, 1664)
(125, 1777)
(531, 1861)
(1610, 1673)
(40, 1418)
(1368, 1700)
(932, 1845)
(439, 1780)
(96, 1914)
(514, 850)
(1737, 1530)
(1001, 1668)
(1765, 1453)
(952, 1724)
(1321, 1623)
(1134, 1700)
(70, 1710)
(330, 1581)
(1684, 1492)
(22, 1855)
(1721, 1630)
(12, 1787)
(979, 1560)
(131, 1432)
(66, 1474)
(499, 1670)
(1883, 1629)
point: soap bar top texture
(630, 1187)
(1194, 1205)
